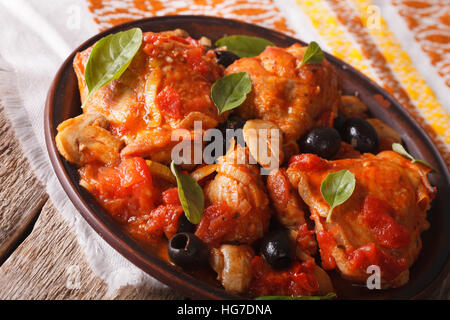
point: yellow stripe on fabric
(335, 35)
(406, 73)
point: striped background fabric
(403, 45)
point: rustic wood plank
(21, 194)
(49, 262)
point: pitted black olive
(323, 141)
(361, 135)
(226, 58)
(184, 225)
(188, 251)
(338, 122)
(277, 249)
(233, 125)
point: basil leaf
(329, 296)
(190, 194)
(397, 147)
(336, 188)
(230, 91)
(313, 54)
(110, 57)
(244, 46)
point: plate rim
(151, 264)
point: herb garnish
(230, 91)
(329, 296)
(313, 54)
(244, 46)
(336, 188)
(397, 147)
(110, 57)
(190, 194)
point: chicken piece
(290, 212)
(380, 224)
(165, 88)
(295, 99)
(289, 207)
(85, 139)
(233, 266)
(239, 207)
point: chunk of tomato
(307, 162)
(169, 102)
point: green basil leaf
(329, 296)
(313, 54)
(244, 46)
(190, 194)
(336, 188)
(110, 57)
(230, 91)
(397, 147)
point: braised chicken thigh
(239, 210)
(380, 224)
(166, 87)
(295, 99)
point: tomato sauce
(125, 190)
(128, 193)
(163, 220)
(326, 245)
(188, 73)
(298, 279)
(305, 239)
(218, 220)
(378, 215)
(308, 162)
(369, 254)
(169, 102)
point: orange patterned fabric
(108, 13)
(429, 21)
(349, 18)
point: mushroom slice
(264, 140)
(351, 106)
(233, 266)
(84, 139)
(384, 131)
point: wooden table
(39, 253)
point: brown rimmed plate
(63, 102)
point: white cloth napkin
(36, 37)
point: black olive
(233, 125)
(338, 123)
(276, 248)
(323, 141)
(360, 134)
(226, 58)
(184, 225)
(188, 251)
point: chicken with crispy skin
(295, 99)
(380, 224)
